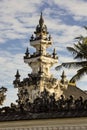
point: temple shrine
(40, 78)
(58, 104)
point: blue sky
(18, 18)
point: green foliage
(79, 52)
(2, 94)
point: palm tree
(79, 52)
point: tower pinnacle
(41, 21)
(63, 75)
(41, 59)
(63, 78)
(41, 28)
(17, 75)
(17, 79)
(27, 54)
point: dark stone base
(31, 116)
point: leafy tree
(79, 52)
(2, 94)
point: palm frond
(79, 37)
(69, 64)
(78, 46)
(79, 56)
(83, 51)
(82, 70)
(76, 77)
(79, 51)
(59, 67)
(85, 27)
(80, 74)
(72, 65)
(73, 50)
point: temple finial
(17, 75)
(63, 78)
(41, 29)
(17, 79)
(41, 21)
(63, 75)
(27, 54)
(54, 53)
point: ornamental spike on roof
(63, 75)
(17, 74)
(41, 27)
(41, 21)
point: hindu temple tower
(40, 78)
(41, 61)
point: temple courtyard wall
(46, 124)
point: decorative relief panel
(50, 128)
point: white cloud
(77, 8)
(16, 18)
(11, 96)
(18, 6)
(9, 64)
(18, 21)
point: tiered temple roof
(40, 94)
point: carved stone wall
(49, 128)
(52, 124)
